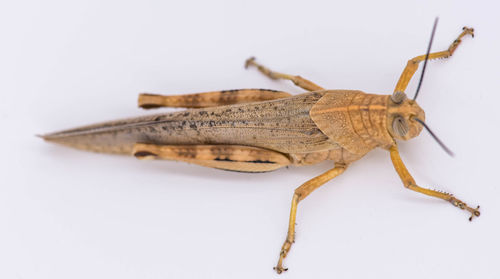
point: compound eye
(398, 97)
(400, 126)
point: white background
(70, 214)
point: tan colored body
(290, 126)
(257, 130)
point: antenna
(426, 57)
(446, 149)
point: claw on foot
(474, 212)
(249, 62)
(284, 251)
(279, 269)
(468, 31)
(462, 205)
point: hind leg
(227, 157)
(301, 193)
(210, 99)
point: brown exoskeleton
(258, 130)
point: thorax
(355, 120)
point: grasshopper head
(401, 114)
(406, 119)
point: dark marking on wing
(224, 159)
(260, 162)
(144, 154)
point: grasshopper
(260, 130)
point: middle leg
(297, 80)
(301, 193)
